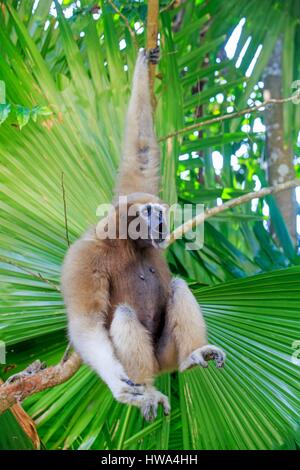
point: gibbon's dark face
(153, 225)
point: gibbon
(127, 317)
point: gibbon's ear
(139, 168)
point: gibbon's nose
(149, 209)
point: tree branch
(190, 224)
(152, 31)
(225, 117)
(65, 208)
(26, 383)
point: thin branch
(68, 348)
(249, 110)
(35, 275)
(199, 219)
(131, 31)
(152, 31)
(168, 7)
(65, 208)
(66, 354)
(27, 384)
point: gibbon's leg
(134, 348)
(91, 340)
(184, 342)
(139, 167)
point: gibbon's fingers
(154, 55)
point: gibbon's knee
(133, 345)
(184, 320)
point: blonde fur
(185, 329)
(133, 345)
(139, 169)
(127, 318)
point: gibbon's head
(138, 217)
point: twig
(67, 351)
(190, 224)
(152, 31)
(168, 6)
(131, 32)
(228, 116)
(35, 275)
(23, 386)
(65, 208)
(66, 354)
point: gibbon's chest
(143, 284)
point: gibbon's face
(151, 224)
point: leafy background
(65, 71)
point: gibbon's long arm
(139, 169)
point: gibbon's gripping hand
(202, 355)
(154, 55)
(150, 55)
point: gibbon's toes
(211, 352)
(32, 369)
(154, 55)
(150, 406)
(202, 355)
(149, 411)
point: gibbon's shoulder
(85, 253)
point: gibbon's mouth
(158, 227)
(154, 215)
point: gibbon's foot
(129, 392)
(202, 355)
(147, 399)
(154, 55)
(152, 399)
(32, 369)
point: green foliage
(63, 112)
(12, 436)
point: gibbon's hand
(149, 55)
(154, 55)
(202, 355)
